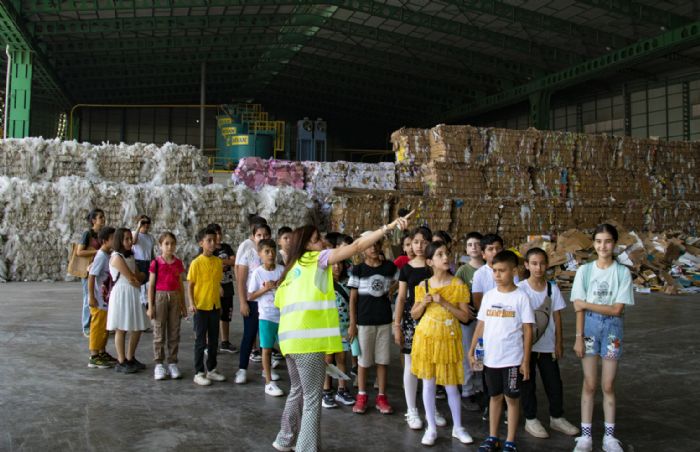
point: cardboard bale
(520, 219)
(434, 212)
(635, 154)
(409, 177)
(557, 149)
(510, 147)
(411, 145)
(507, 181)
(589, 184)
(551, 182)
(460, 144)
(450, 180)
(588, 214)
(624, 185)
(595, 152)
(480, 214)
(354, 213)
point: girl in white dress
(125, 312)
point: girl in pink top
(166, 306)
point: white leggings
(453, 399)
(410, 383)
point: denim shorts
(602, 335)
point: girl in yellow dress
(437, 353)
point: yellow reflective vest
(308, 313)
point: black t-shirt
(225, 252)
(412, 276)
(90, 240)
(372, 284)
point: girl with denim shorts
(600, 293)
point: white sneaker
(275, 363)
(213, 375)
(429, 437)
(413, 419)
(583, 444)
(281, 448)
(535, 428)
(273, 390)
(241, 376)
(560, 424)
(201, 379)
(159, 372)
(440, 420)
(612, 444)
(174, 371)
(462, 435)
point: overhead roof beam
(221, 22)
(639, 12)
(13, 32)
(533, 19)
(682, 37)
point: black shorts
(227, 302)
(505, 380)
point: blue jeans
(86, 306)
(602, 335)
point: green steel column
(539, 109)
(20, 94)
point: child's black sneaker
(344, 397)
(255, 356)
(138, 365)
(490, 444)
(327, 401)
(125, 368)
(228, 347)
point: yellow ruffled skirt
(437, 350)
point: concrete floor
(50, 400)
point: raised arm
(340, 254)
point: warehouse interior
(534, 119)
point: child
(444, 237)
(205, 275)
(249, 308)
(437, 353)
(98, 274)
(143, 252)
(370, 321)
(88, 246)
(483, 279)
(125, 312)
(224, 252)
(404, 325)
(342, 302)
(472, 380)
(505, 324)
(166, 305)
(284, 237)
(261, 290)
(600, 293)
(546, 351)
(407, 252)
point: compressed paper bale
(434, 212)
(354, 213)
(371, 176)
(506, 181)
(589, 184)
(551, 182)
(285, 206)
(462, 144)
(509, 147)
(635, 154)
(285, 173)
(449, 180)
(595, 152)
(322, 177)
(557, 149)
(409, 177)
(411, 146)
(478, 214)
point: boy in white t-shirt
(262, 285)
(547, 351)
(505, 323)
(482, 282)
(97, 275)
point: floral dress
(437, 344)
(342, 301)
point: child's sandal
(510, 447)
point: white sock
(362, 392)
(609, 429)
(410, 383)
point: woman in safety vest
(309, 329)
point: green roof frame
(640, 12)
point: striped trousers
(301, 419)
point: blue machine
(312, 140)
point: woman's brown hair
(297, 246)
